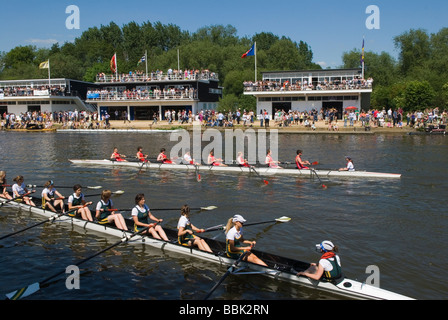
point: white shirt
(183, 222)
(327, 265)
(350, 166)
(48, 191)
(234, 234)
(19, 189)
(101, 203)
(72, 197)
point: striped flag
(362, 55)
(250, 52)
(45, 65)
(143, 59)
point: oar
(209, 208)
(20, 197)
(198, 175)
(65, 187)
(32, 288)
(253, 169)
(221, 227)
(229, 271)
(52, 218)
(118, 192)
(323, 185)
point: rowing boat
(280, 268)
(265, 171)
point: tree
(418, 95)
(414, 49)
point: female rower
(186, 229)
(140, 156)
(141, 215)
(20, 191)
(48, 197)
(329, 266)
(116, 156)
(301, 165)
(241, 161)
(77, 201)
(270, 162)
(162, 157)
(350, 166)
(234, 241)
(3, 185)
(214, 161)
(188, 159)
(104, 212)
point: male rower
(162, 157)
(116, 156)
(241, 161)
(140, 156)
(301, 165)
(270, 162)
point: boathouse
(309, 90)
(43, 95)
(141, 96)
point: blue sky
(329, 27)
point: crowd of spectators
(159, 75)
(44, 120)
(271, 85)
(211, 118)
(28, 91)
(143, 94)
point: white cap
(325, 246)
(238, 218)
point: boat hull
(279, 268)
(264, 171)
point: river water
(398, 225)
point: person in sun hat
(350, 166)
(236, 245)
(329, 266)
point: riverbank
(321, 127)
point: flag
(250, 52)
(113, 63)
(362, 55)
(143, 59)
(45, 65)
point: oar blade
(283, 219)
(118, 192)
(94, 187)
(24, 292)
(209, 208)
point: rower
(301, 165)
(116, 156)
(48, 197)
(234, 241)
(350, 166)
(329, 266)
(270, 162)
(140, 156)
(185, 234)
(212, 161)
(104, 214)
(19, 191)
(77, 201)
(141, 215)
(241, 161)
(188, 159)
(162, 157)
(3, 193)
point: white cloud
(42, 42)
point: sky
(330, 28)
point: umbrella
(351, 108)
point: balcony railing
(158, 76)
(273, 86)
(104, 95)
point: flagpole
(363, 57)
(146, 61)
(255, 62)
